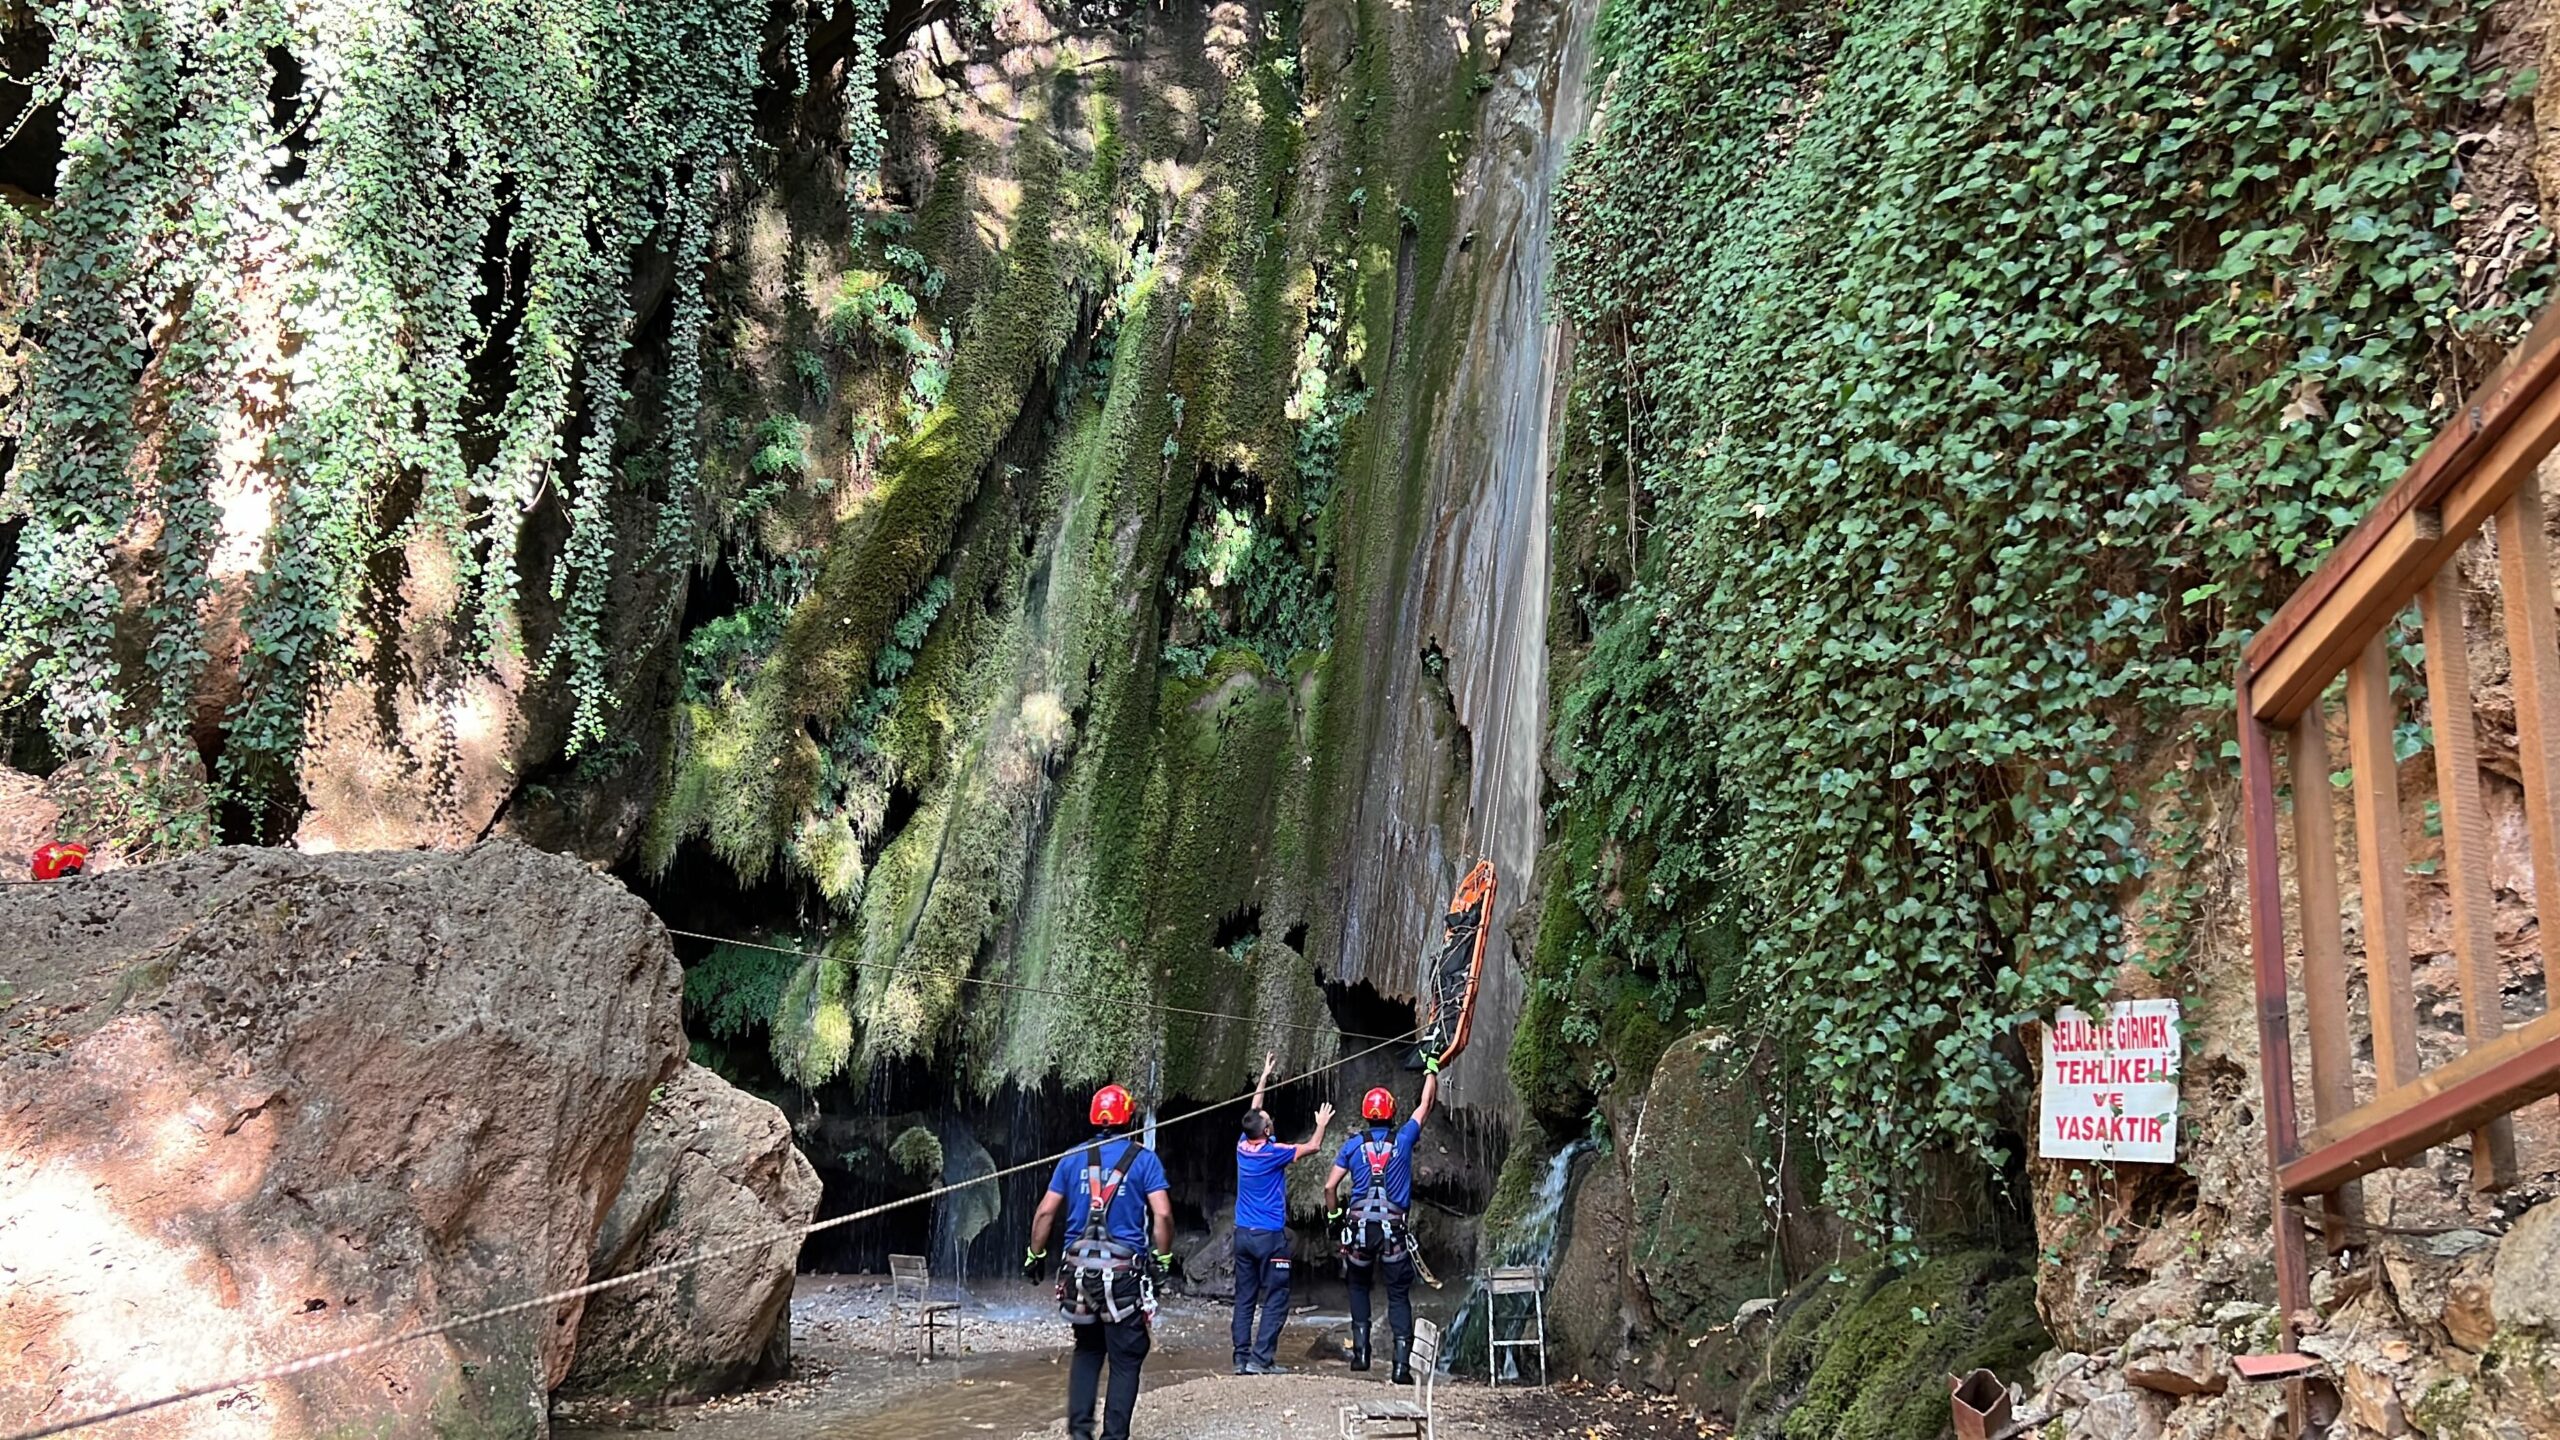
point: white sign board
(2111, 1084)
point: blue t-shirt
(1399, 1172)
(1128, 1215)
(1262, 1184)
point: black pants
(1262, 1273)
(1127, 1343)
(1399, 1276)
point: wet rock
(255, 1104)
(1698, 1234)
(1587, 1293)
(714, 1167)
(1207, 1261)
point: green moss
(917, 1151)
(1866, 1358)
(2446, 1407)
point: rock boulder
(256, 1104)
(714, 1167)
(1699, 1229)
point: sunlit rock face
(256, 1104)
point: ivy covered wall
(1959, 385)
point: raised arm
(1430, 1096)
(1324, 1122)
(1264, 1083)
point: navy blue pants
(1262, 1272)
(1125, 1344)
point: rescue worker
(1119, 1224)
(1262, 1230)
(1375, 1242)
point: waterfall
(1475, 596)
(1528, 1239)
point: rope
(344, 1353)
(986, 980)
(1035, 989)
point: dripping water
(1529, 1239)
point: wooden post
(2324, 950)
(2382, 868)
(2275, 1037)
(2533, 650)
(2466, 851)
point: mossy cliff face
(1087, 520)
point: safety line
(344, 1353)
(986, 980)
(990, 980)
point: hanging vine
(1988, 374)
(438, 208)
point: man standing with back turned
(1262, 1230)
(1375, 1243)
(1113, 1192)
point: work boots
(1403, 1374)
(1360, 1347)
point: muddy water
(845, 1387)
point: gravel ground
(1011, 1385)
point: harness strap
(1100, 1190)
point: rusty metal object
(1981, 1406)
(2268, 1369)
(2275, 1032)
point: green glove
(1333, 1216)
(1164, 1262)
(1031, 1260)
(1431, 1065)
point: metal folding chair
(1529, 1280)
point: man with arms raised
(1262, 1230)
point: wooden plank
(2533, 649)
(2275, 1028)
(2324, 948)
(2360, 609)
(2519, 380)
(2515, 1069)
(2382, 868)
(2466, 850)
(2401, 560)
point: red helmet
(1112, 1106)
(60, 858)
(1378, 1105)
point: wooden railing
(2478, 473)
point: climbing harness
(1373, 1227)
(1100, 1277)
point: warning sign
(2111, 1084)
